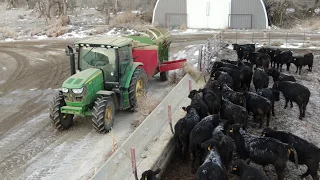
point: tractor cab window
(99, 57)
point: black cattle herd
(215, 125)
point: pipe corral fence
(275, 38)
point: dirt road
(30, 147)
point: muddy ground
(31, 148)
(285, 119)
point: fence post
(287, 41)
(190, 85)
(304, 38)
(236, 36)
(269, 39)
(252, 37)
(134, 162)
(200, 58)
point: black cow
(212, 100)
(233, 113)
(251, 57)
(241, 49)
(246, 71)
(219, 64)
(247, 172)
(285, 57)
(223, 78)
(263, 61)
(183, 128)
(271, 94)
(224, 144)
(150, 175)
(234, 73)
(233, 96)
(200, 133)
(229, 61)
(212, 168)
(308, 153)
(262, 150)
(198, 103)
(259, 106)
(278, 76)
(260, 79)
(294, 92)
(300, 61)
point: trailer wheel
(164, 76)
(103, 114)
(138, 86)
(60, 120)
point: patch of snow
(136, 12)
(9, 39)
(4, 68)
(33, 89)
(230, 47)
(2, 82)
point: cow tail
(292, 149)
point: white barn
(211, 14)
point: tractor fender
(111, 94)
(134, 66)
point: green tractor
(112, 74)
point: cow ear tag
(235, 169)
(209, 148)
(231, 130)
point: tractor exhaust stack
(69, 52)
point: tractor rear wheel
(103, 114)
(138, 86)
(164, 76)
(60, 120)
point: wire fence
(273, 38)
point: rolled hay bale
(194, 73)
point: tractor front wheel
(60, 120)
(138, 86)
(103, 114)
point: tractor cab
(113, 56)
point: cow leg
(301, 111)
(287, 100)
(288, 66)
(279, 167)
(268, 118)
(260, 121)
(304, 109)
(272, 109)
(297, 69)
(313, 167)
(192, 158)
(300, 68)
(184, 150)
(291, 105)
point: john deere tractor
(112, 73)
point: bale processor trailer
(112, 73)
